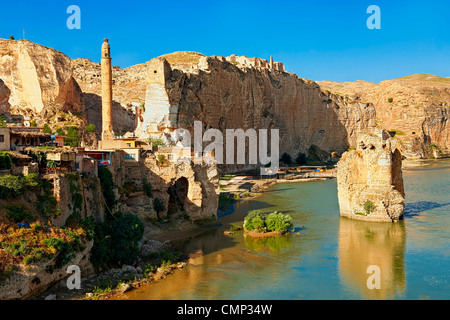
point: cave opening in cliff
(178, 194)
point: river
(328, 256)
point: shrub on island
(274, 223)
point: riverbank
(165, 259)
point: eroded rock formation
(4, 97)
(38, 76)
(415, 108)
(370, 182)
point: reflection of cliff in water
(362, 244)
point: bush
(116, 242)
(369, 207)
(91, 128)
(301, 159)
(31, 180)
(147, 186)
(127, 231)
(257, 223)
(390, 100)
(10, 186)
(5, 161)
(61, 132)
(275, 221)
(19, 213)
(255, 220)
(3, 123)
(107, 184)
(158, 205)
(278, 222)
(47, 129)
(286, 158)
(73, 138)
(156, 142)
(162, 159)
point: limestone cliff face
(37, 76)
(415, 107)
(4, 97)
(240, 93)
(370, 182)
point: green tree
(301, 159)
(3, 123)
(158, 205)
(156, 142)
(369, 206)
(11, 38)
(47, 129)
(107, 184)
(278, 222)
(286, 158)
(61, 132)
(73, 137)
(91, 128)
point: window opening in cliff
(178, 195)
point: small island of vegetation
(259, 224)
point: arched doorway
(178, 194)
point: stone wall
(372, 173)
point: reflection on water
(363, 244)
(330, 257)
(271, 243)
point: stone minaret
(271, 63)
(107, 118)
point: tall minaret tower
(107, 120)
(271, 63)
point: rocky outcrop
(370, 182)
(37, 76)
(187, 190)
(4, 98)
(28, 281)
(414, 108)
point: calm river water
(329, 257)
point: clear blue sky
(319, 40)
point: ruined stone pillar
(107, 120)
(370, 182)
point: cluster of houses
(24, 142)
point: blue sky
(319, 40)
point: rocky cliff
(37, 77)
(241, 93)
(4, 98)
(414, 108)
(370, 182)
